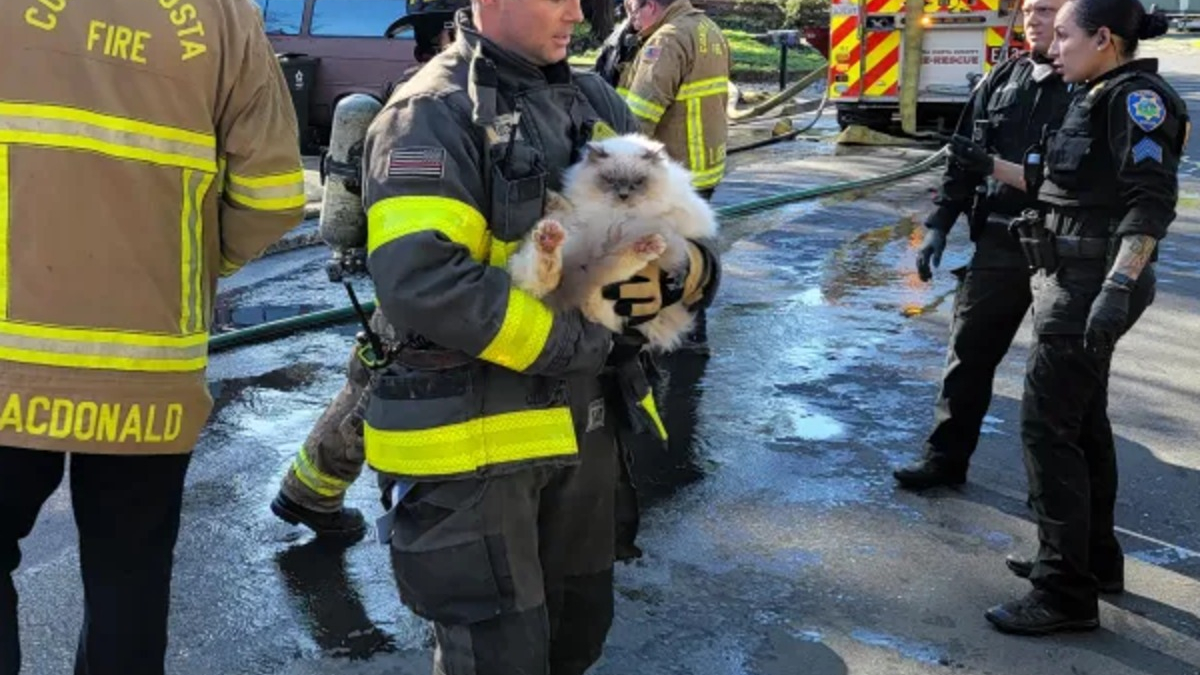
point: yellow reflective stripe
(72, 128)
(276, 192)
(651, 409)
(523, 335)
(467, 446)
(695, 135)
(228, 267)
(708, 177)
(639, 106)
(195, 188)
(4, 208)
(713, 86)
(501, 252)
(395, 217)
(101, 349)
(321, 483)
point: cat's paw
(549, 236)
(650, 247)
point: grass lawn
(752, 60)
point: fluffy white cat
(624, 204)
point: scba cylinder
(343, 223)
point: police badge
(1146, 109)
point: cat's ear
(655, 154)
(595, 152)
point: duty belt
(1082, 248)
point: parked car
(349, 39)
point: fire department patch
(1146, 109)
(416, 163)
(1147, 149)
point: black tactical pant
(515, 571)
(127, 510)
(1070, 455)
(989, 306)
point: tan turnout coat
(145, 148)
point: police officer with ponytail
(1108, 194)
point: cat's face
(624, 174)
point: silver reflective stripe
(101, 349)
(63, 127)
(195, 188)
(278, 192)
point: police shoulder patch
(1146, 109)
(416, 162)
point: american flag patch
(416, 163)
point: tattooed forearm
(1135, 252)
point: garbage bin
(300, 71)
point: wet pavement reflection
(327, 602)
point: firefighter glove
(641, 297)
(930, 252)
(1107, 318)
(971, 156)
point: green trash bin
(300, 72)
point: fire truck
(912, 65)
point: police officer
(143, 153)
(313, 490)
(1110, 191)
(1004, 117)
(489, 426)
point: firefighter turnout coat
(145, 148)
(456, 167)
(678, 87)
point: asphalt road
(776, 543)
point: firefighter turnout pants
(127, 510)
(516, 570)
(331, 458)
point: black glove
(1107, 318)
(931, 249)
(971, 156)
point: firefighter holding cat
(489, 426)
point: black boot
(1023, 567)
(345, 524)
(929, 472)
(1035, 614)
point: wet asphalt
(775, 541)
